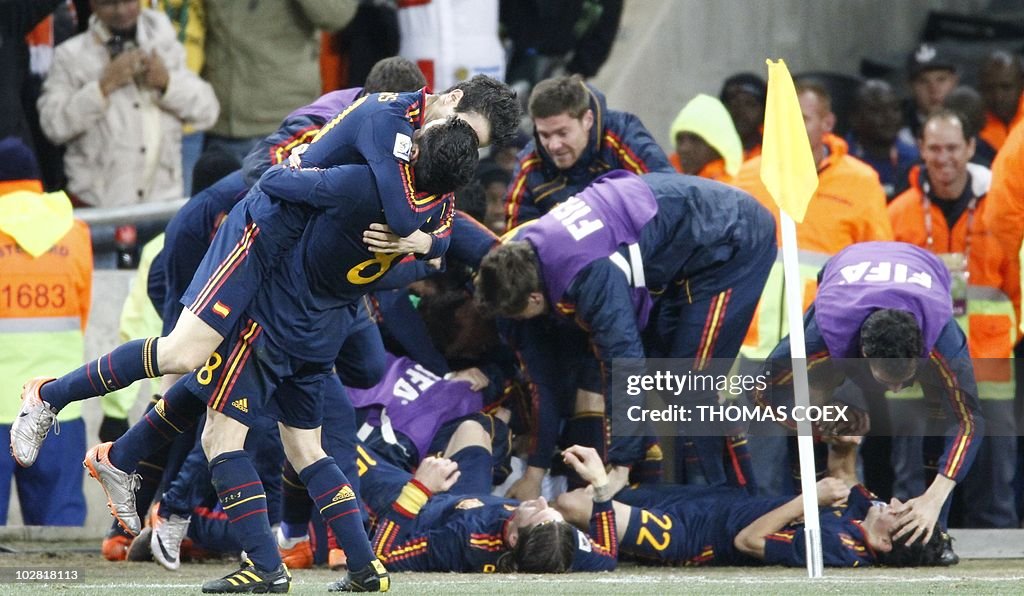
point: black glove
(111, 429)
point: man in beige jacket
(118, 96)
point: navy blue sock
(242, 497)
(126, 364)
(177, 411)
(337, 502)
(297, 508)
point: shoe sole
(110, 503)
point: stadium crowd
(423, 340)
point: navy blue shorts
(248, 376)
(230, 274)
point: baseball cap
(17, 162)
(928, 57)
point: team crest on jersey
(403, 147)
(469, 504)
(242, 405)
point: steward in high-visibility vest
(45, 296)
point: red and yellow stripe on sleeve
(630, 160)
(958, 450)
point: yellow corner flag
(787, 166)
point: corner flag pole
(789, 173)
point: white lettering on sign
(885, 272)
(570, 214)
(414, 382)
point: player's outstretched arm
(751, 539)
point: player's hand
(154, 71)
(474, 376)
(528, 485)
(380, 238)
(856, 423)
(295, 157)
(438, 474)
(587, 464)
(121, 71)
(916, 518)
(831, 491)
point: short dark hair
(919, 554)
(507, 276)
(493, 100)
(891, 340)
(542, 548)
(560, 95)
(966, 103)
(472, 200)
(447, 158)
(394, 74)
(746, 82)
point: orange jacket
(989, 265)
(57, 284)
(848, 207)
(1005, 214)
(995, 130)
(714, 170)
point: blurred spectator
(346, 56)
(189, 20)
(576, 139)
(967, 103)
(1001, 83)
(944, 212)
(1005, 214)
(118, 96)
(262, 59)
(46, 277)
(47, 35)
(706, 141)
(874, 135)
(550, 39)
(452, 40)
(849, 204)
(932, 75)
(744, 95)
(17, 19)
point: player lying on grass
(696, 525)
(444, 518)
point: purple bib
(329, 104)
(871, 276)
(592, 225)
(418, 402)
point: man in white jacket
(118, 96)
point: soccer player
(699, 525)
(444, 518)
(283, 351)
(690, 254)
(376, 130)
(882, 320)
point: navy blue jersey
(618, 141)
(946, 377)
(465, 534)
(843, 540)
(186, 239)
(330, 267)
(705, 238)
(377, 130)
(692, 525)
